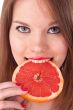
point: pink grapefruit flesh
(43, 81)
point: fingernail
(17, 84)
(24, 89)
(24, 105)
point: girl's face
(35, 33)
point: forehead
(44, 4)
(33, 9)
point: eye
(54, 30)
(23, 29)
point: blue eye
(54, 30)
(23, 29)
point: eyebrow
(22, 23)
(25, 24)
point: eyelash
(51, 30)
(54, 30)
(23, 29)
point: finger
(21, 100)
(10, 104)
(15, 98)
(9, 84)
(8, 92)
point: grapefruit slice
(43, 81)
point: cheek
(60, 47)
(59, 51)
(17, 46)
(18, 49)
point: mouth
(39, 59)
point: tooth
(43, 61)
(35, 61)
(40, 61)
(46, 60)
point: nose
(39, 44)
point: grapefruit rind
(40, 99)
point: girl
(36, 28)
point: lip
(39, 58)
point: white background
(1, 2)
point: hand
(40, 106)
(10, 90)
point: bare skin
(32, 37)
(8, 91)
(35, 32)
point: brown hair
(63, 8)
(6, 58)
